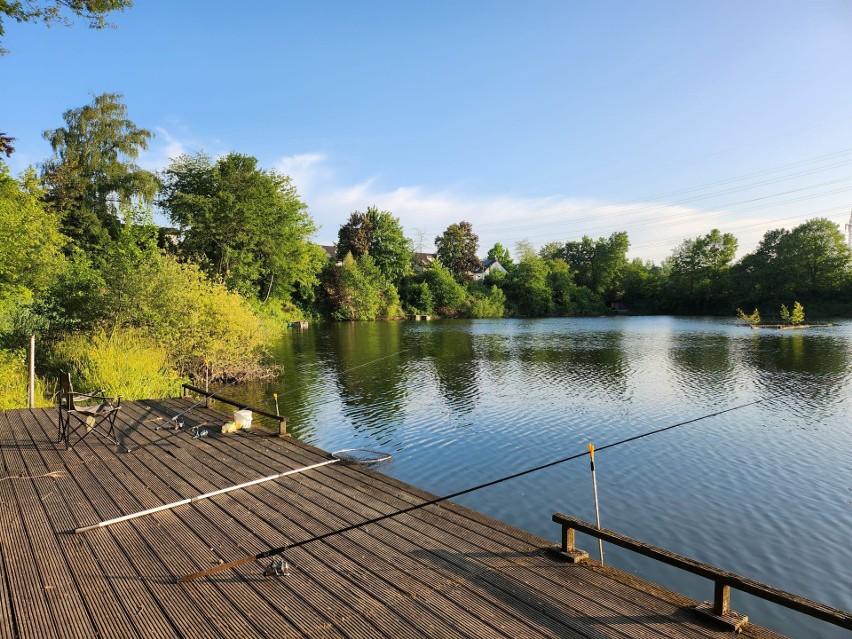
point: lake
(764, 490)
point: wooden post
(282, 427)
(569, 550)
(31, 380)
(567, 539)
(721, 599)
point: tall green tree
(815, 258)
(700, 270)
(30, 252)
(246, 226)
(501, 254)
(59, 12)
(456, 248)
(811, 261)
(450, 298)
(358, 290)
(599, 265)
(6, 147)
(92, 172)
(380, 234)
(527, 287)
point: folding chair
(97, 411)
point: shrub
(753, 319)
(13, 382)
(126, 362)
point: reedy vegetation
(136, 309)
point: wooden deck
(442, 571)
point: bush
(13, 382)
(126, 362)
(486, 302)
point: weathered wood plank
(440, 571)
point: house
(422, 261)
(489, 266)
(330, 250)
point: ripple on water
(754, 490)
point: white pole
(191, 500)
(597, 509)
(31, 380)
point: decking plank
(440, 571)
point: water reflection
(462, 402)
(370, 373)
(449, 348)
(703, 363)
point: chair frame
(88, 416)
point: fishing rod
(361, 456)
(178, 425)
(282, 549)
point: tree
(449, 296)
(456, 249)
(6, 147)
(501, 254)
(355, 236)
(527, 287)
(92, 171)
(380, 234)
(30, 252)
(247, 227)
(810, 261)
(55, 11)
(359, 291)
(598, 265)
(815, 257)
(759, 277)
(699, 271)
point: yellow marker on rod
(597, 508)
(277, 412)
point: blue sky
(538, 120)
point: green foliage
(598, 265)
(359, 290)
(811, 262)
(30, 242)
(456, 249)
(527, 287)
(245, 226)
(562, 287)
(699, 272)
(450, 297)
(418, 298)
(798, 315)
(380, 234)
(193, 318)
(785, 314)
(486, 302)
(126, 362)
(92, 170)
(56, 11)
(753, 319)
(13, 382)
(6, 147)
(30, 258)
(501, 254)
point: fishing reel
(178, 425)
(278, 568)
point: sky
(542, 120)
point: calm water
(765, 490)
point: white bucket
(242, 418)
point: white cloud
(161, 150)
(654, 228)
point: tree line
(83, 264)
